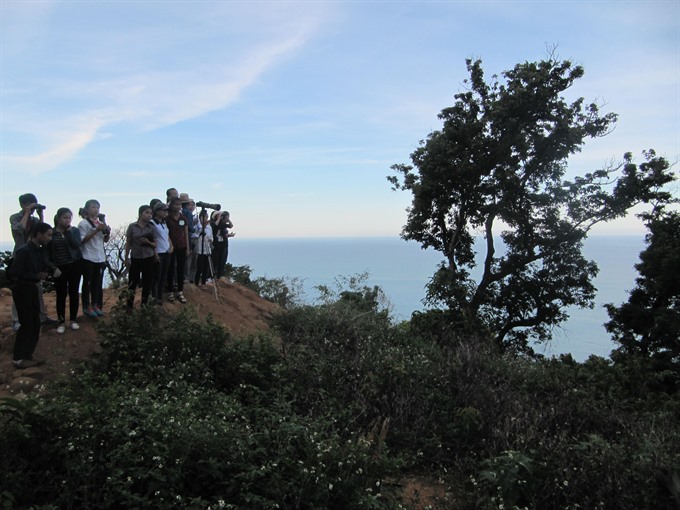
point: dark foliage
(499, 163)
(649, 323)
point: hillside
(240, 310)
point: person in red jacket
(179, 236)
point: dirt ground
(238, 308)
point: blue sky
(290, 114)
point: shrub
(284, 291)
(176, 414)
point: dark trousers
(141, 270)
(176, 270)
(218, 258)
(160, 276)
(27, 303)
(93, 282)
(190, 267)
(225, 256)
(68, 285)
(202, 269)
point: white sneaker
(74, 326)
(61, 328)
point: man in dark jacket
(28, 269)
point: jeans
(177, 261)
(141, 269)
(160, 276)
(93, 283)
(67, 284)
(27, 303)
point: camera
(40, 207)
(205, 205)
(107, 230)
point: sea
(402, 270)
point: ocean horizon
(402, 270)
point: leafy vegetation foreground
(333, 414)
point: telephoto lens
(205, 205)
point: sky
(290, 114)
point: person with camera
(94, 232)
(203, 250)
(220, 226)
(179, 236)
(21, 224)
(66, 256)
(140, 255)
(29, 267)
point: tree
(499, 162)
(649, 323)
(115, 256)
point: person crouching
(29, 268)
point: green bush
(175, 414)
(329, 413)
(284, 291)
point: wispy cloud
(146, 100)
(71, 143)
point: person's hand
(102, 226)
(57, 273)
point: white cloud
(146, 101)
(60, 152)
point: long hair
(82, 212)
(60, 212)
(143, 208)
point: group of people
(169, 244)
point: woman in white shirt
(94, 233)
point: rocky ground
(238, 308)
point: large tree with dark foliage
(497, 166)
(649, 323)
